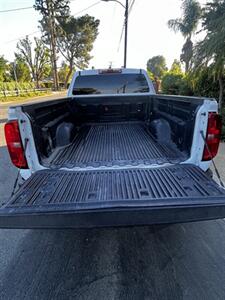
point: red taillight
(212, 136)
(14, 144)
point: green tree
(175, 82)
(203, 82)
(37, 59)
(176, 67)
(50, 10)
(63, 71)
(59, 7)
(76, 41)
(187, 25)
(210, 52)
(157, 66)
(19, 70)
(4, 69)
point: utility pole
(16, 79)
(126, 33)
(14, 70)
(126, 7)
(51, 22)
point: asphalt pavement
(183, 261)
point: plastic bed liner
(125, 143)
(66, 199)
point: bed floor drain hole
(144, 193)
(188, 188)
(92, 196)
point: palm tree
(187, 25)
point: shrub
(175, 84)
(204, 84)
(13, 85)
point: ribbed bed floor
(114, 144)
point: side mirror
(68, 85)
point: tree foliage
(72, 37)
(4, 68)
(175, 82)
(210, 52)
(157, 66)
(37, 59)
(19, 70)
(187, 25)
(60, 7)
(50, 10)
(204, 84)
(176, 67)
(63, 72)
(75, 41)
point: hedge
(13, 85)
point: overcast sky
(148, 32)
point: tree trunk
(68, 77)
(37, 83)
(187, 66)
(220, 79)
(33, 75)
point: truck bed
(110, 144)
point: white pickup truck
(113, 153)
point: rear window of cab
(110, 84)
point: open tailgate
(66, 199)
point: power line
(131, 6)
(121, 36)
(94, 4)
(20, 8)
(22, 36)
(15, 9)
(31, 7)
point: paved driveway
(184, 261)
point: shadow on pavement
(157, 262)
